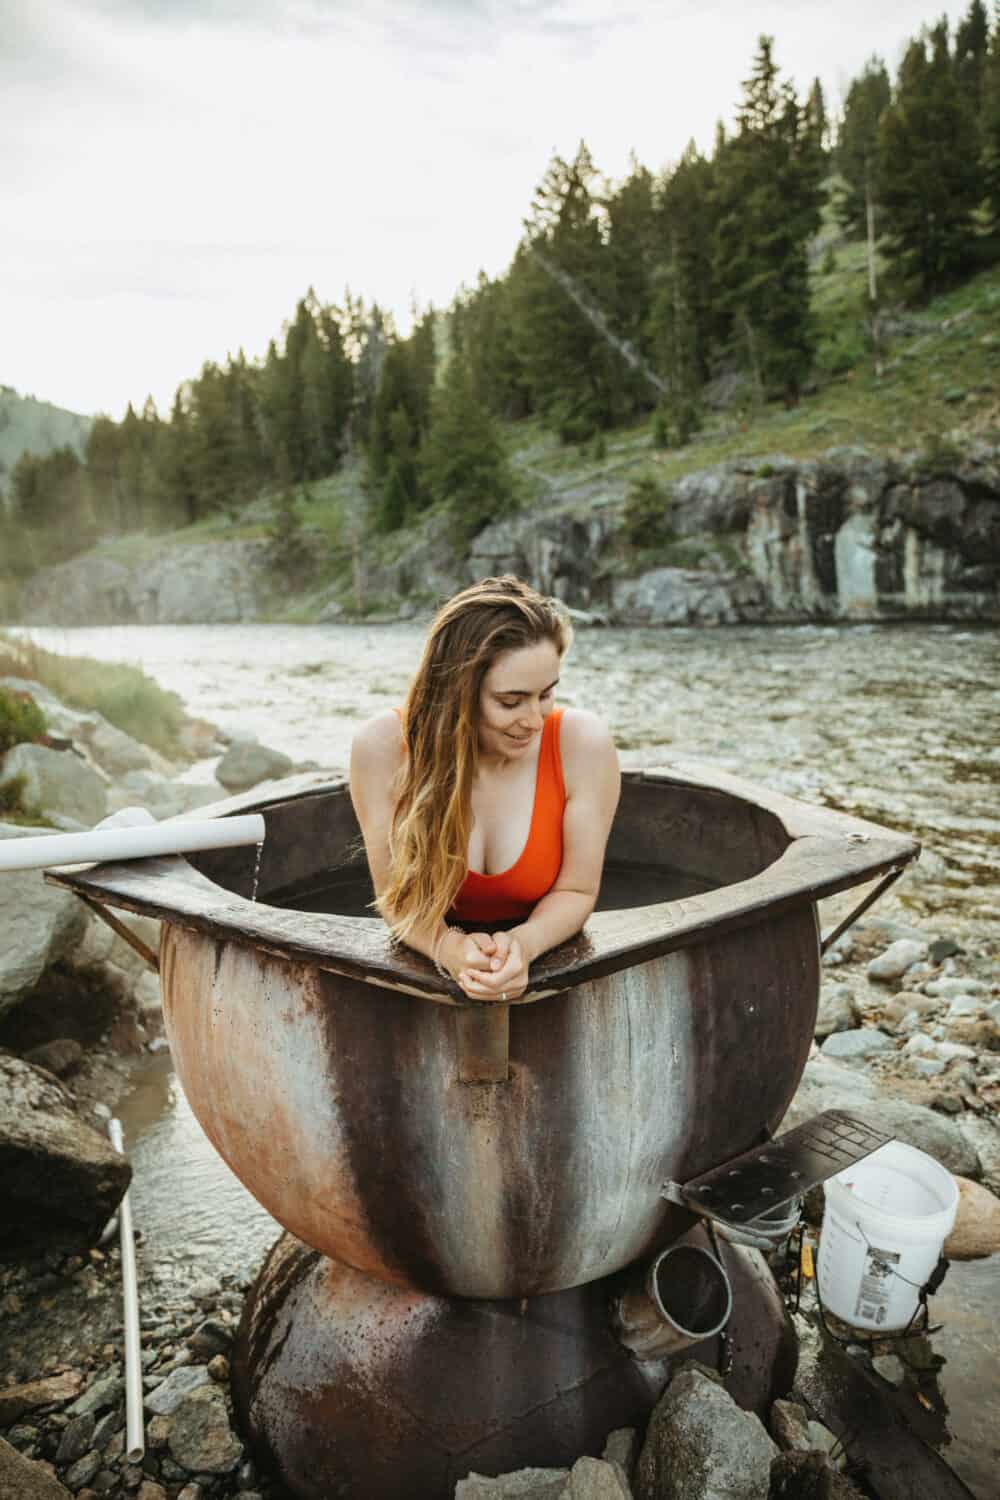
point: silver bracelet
(434, 954)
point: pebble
(76, 1438)
(948, 987)
(83, 1471)
(890, 1367)
(178, 1385)
(106, 1391)
(855, 1046)
(897, 958)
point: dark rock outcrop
(60, 1180)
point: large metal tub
(498, 1150)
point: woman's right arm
(376, 758)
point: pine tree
(685, 322)
(769, 190)
(929, 170)
(463, 463)
(971, 51)
(991, 131)
(816, 116)
(572, 371)
(856, 156)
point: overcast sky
(174, 174)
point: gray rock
(983, 1137)
(701, 1446)
(101, 1394)
(855, 1046)
(890, 1367)
(830, 1085)
(679, 596)
(40, 924)
(57, 781)
(622, 1448)
(807, 1476)
(790, 1426)
(524, 1484)
(897, 958)
(114, 751)
(245, 764)
(22, 1479)
(177, 1386)
(76, 1438)
(201, 1439)
(838, 1010)
(83, 1471)
(62, 1179)
(594, 1479)
(948, 987)
(61, 1056)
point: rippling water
(897, 724)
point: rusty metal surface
(352, 1388)
(342, 1108)
(767, 854)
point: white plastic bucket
(885, 1222)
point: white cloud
(184, 171)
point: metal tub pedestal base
(353, 1388)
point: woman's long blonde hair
(429, 842)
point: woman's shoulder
(584, 738)
(583, 730)
(378, 741)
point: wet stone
(855, 1046)
(83, 1471)
(77, 1438)
(104, 1480)
(150, 1490)
(201, 1438)
(105, 1392)
(157, 1432)
(218, 1368)
(16, 1399)
(890, 1367)
(170, 1392)
(213, 1337)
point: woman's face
(516, 698)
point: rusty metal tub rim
(825, 852)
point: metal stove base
(353, 1389)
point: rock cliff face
(850, 534)
(215, 583)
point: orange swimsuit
(513, 894)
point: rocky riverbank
(908, 1036)
(849, 534)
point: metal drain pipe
(682, 1297)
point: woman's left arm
(593, 784)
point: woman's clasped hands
(487, 966)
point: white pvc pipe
(135, 1435)
(174, 837)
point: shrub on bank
(20, 719)
(123, 694)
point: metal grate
(762, 1180)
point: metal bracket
(759, 1182)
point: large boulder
(60, 1181)
(701, 1446)
(40, 924)
(246, 763)
(57, 781)
(23, 1479)
(830, 1085)
(682, 596)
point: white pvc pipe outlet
(135, 1436)
(138, 842)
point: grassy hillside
(35, 426)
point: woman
(480, 801)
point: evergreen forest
(625, 301)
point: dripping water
(256, 870)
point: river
(898, 724)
